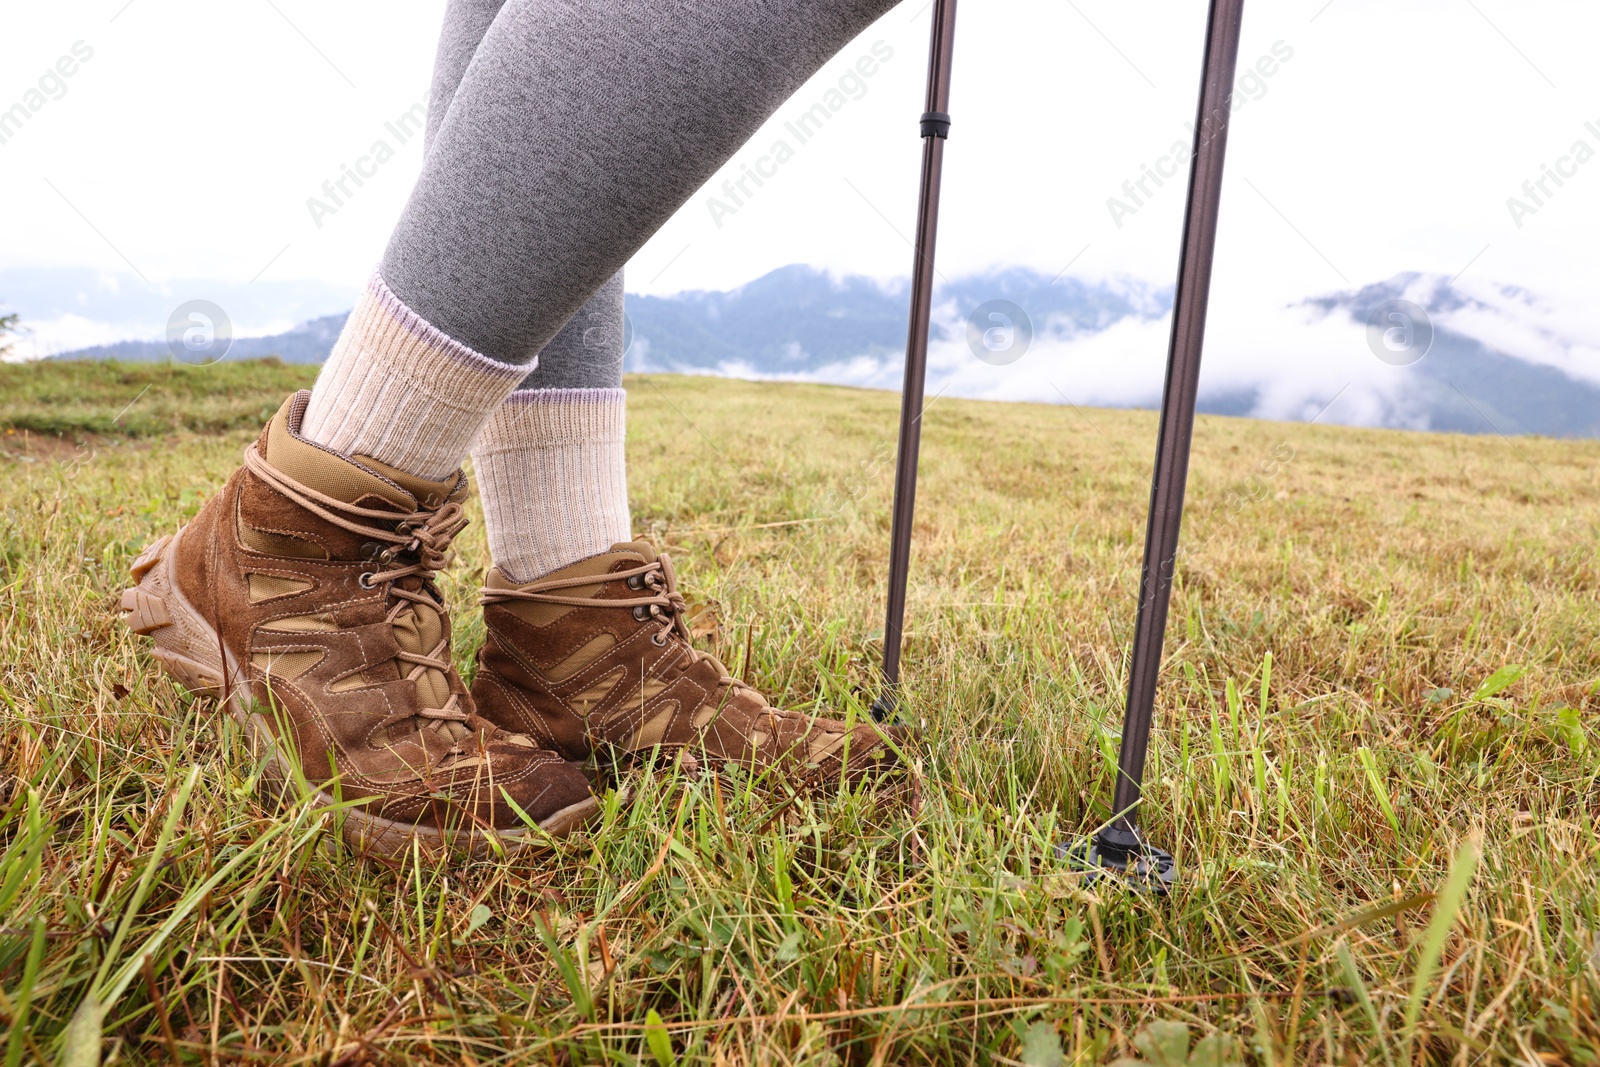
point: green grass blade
(1379, 791)
(655, 1036)
(1446, 906)
(23, 998)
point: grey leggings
(564, 133)
(587, 352)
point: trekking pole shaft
(935, 123)
(1178, 399)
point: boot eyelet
(635, 582)
(365, 580)
(659, 640)
(641, 613)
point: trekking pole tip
(1123, 856)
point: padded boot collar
(348, 478)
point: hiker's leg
(550, 471)
(578, 128)
(465, 23)
(550, 464)
(586, 353)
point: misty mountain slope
(1500, 359)
(793, 319)
(1466, 384)
(801, 321)
(309, 342)
(68, 310)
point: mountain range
(1487, 358)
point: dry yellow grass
(1382, 666)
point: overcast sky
(1388, 136)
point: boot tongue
(348, 478)
(632, 553)
(597, 567)
(418, 631)
(643, 549)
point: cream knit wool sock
(398, 390)
(551, 474)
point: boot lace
(661, 602)
(417, 547)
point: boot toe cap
(555, 795)
(501, 790)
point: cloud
(1501, 357)
(1524, 326)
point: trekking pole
(1119, 846)
(935, 129)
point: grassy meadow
(1376, 760)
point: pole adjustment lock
(936, 124)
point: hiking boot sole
(189, 649)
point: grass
(133, 400)
(1375, 759)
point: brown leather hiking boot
(596, 657)
(302, 597)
